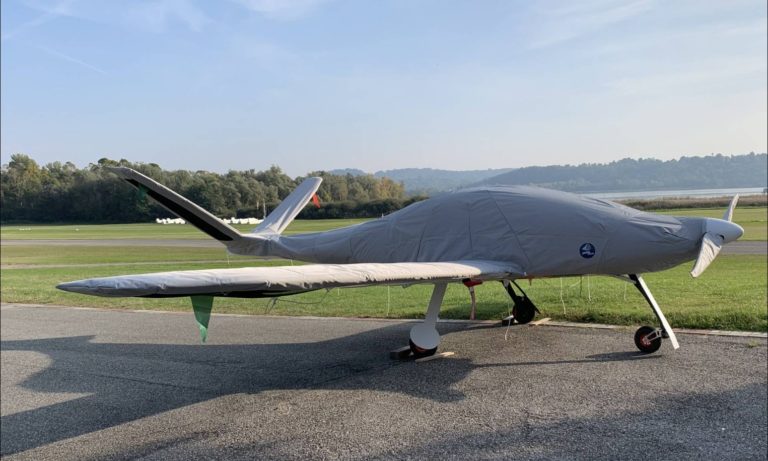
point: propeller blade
(728, 216)
(710, 247)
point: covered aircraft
(471, 236)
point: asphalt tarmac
(98, 384)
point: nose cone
(74, 287)
(730, 231)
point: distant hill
(428, 181)
(710, 172)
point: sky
(374, 84)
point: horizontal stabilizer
(179, 205)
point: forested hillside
(427, 181)
(710, 172)
(61, 192)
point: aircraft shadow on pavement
(713, 425)
(127, 382)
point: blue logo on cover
(587, 250)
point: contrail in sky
(66, 57)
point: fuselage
(541, 231)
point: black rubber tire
(419, 352)
(524, 312)
(644, 345)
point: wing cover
(256, 282)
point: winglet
(202, 306)
(282, 216)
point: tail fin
(182, 207)
(276, 222)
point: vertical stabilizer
(281, 217)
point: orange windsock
(316, 200)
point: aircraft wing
(261, 282)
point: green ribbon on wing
(202, 306)
(142, 192)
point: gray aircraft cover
(542, 231)
(483, 233)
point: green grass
(753, 219)
(149, 230)
(13, 255)
(730, 295)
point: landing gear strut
(424, 337)
(648, 339)
(523, 309)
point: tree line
(62, 192)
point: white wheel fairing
(425, 336)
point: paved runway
(746, 248)
(97, 384)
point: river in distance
(695, 193)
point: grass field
(753, 219)
(730, 295)
(40, 256)
(150, 230)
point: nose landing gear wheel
(419, 352)
(524, 311)
(648, 339)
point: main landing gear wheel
(524, 311)
(419, 352)
(648, 339)
(424, 337)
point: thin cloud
(153, 15)
(42, 19)
(719, 72)
(571, 22)
(49, 13)
(282, 9)
(643, 43)
(73, 60)
(156, 15)
(56, 8)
